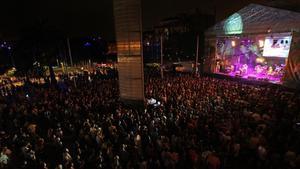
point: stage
(258, 57)
(257, 48)
(252, 82)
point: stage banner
(127, 15)
(292, 69)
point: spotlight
(260, 60)
(261, 43)
(233, 43)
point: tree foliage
(38, 44)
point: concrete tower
(128, 26)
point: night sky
(95, 17)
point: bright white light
(261, 43)
(233, 43)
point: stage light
(233, 43)
(260, 60)
(261, 43)
(87, 44)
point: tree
(199, 22)
(38, 44)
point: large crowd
(201, 122)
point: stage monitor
(277, 46)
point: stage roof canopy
(257, 19)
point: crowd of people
(201, 122)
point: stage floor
(244, 80)
(255, 77)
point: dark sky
(95, 17)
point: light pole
(69, 51)
(161, 57)
(197, 55)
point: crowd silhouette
(201, 122)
